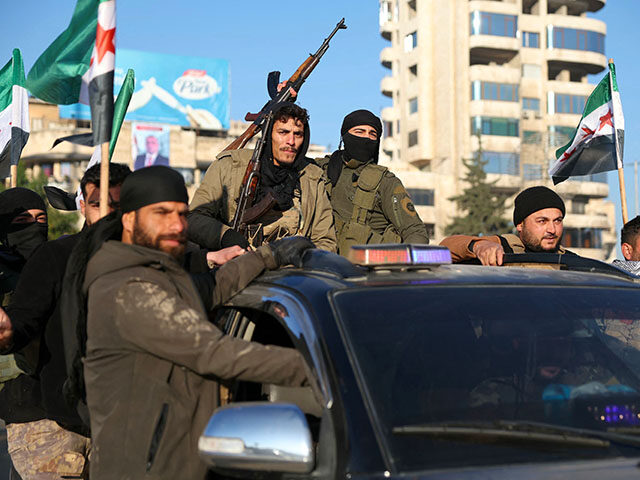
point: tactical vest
(357, 230)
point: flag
(78, 66)
(68, 201)
(597, 144)
(14, 113)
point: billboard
(187, 91)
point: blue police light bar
(398, 254)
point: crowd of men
(109, 328)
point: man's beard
(534, 244)
(143, 238)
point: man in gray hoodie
(152, 357)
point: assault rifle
(247, 213)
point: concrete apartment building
(514, 71)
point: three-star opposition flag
(78, 66)
(14, 113)
(598, 142)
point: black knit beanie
(533, 199)
(152, 185)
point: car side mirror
(258, 436)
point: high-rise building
(511, 75)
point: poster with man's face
(150, 145)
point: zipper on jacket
(157, 435)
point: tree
(482, 208)
(60, 223)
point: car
(423, 368)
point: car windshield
(458, 376)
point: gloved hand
(289, 250)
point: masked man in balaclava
(370, 204)
(301, 205)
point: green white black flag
(597, 144)
(14, 113)
(78, 66)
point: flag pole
(623, 193)
(104, 179)
(14, 176)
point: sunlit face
(161, 226)
(152, 144)
(30, 216)
(286, 140)
(542, 230)
(364, 131)
(90, 206)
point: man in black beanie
(152, 355)
(370, 204)
(538, 213)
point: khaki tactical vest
(357, 230)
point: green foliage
(60, 223)
(482, 208)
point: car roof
(338, 273)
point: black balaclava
(281, 180)
(357, 150)
(23, 238)
(150, 185)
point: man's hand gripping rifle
(247, 213)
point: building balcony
(387, 56)
(573, 88)
(389, 114)
(388, 85)
(576, 220)
(505, 183)
(494, 108)
(575, 61)
(390, 144)
(494, 73)
(574, 7)
(587, 189)
(386, 30)
(492, 48)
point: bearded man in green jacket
(152, 356)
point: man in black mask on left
(23, 228)
(370, 204)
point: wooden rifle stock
(259, 209)
(243, 139)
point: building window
(531, 39)
(531, 71)
(501, 162)
(431, 230)
(506, 92)
(388, 129)
(413, 72)
(413, 105)
(422, 196)
(47, 169)
(530, 103)
(387, 12)
(532, 171)
(410, 41)
(566, 103)
(413, 138)
(574, 39)
(486, 23)
(507, 127)
(187, 175)
(560, 135)
(578, 205)
(531, 137)
(582, 238)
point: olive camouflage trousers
(42, 450)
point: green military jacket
(218, 193)
(391, 218)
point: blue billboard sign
(188, 91)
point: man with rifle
(272, 191)
(291, 188)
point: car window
(487, 356)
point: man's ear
(627, 251)
(519, 227)
(82, 206)
(128, 220)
